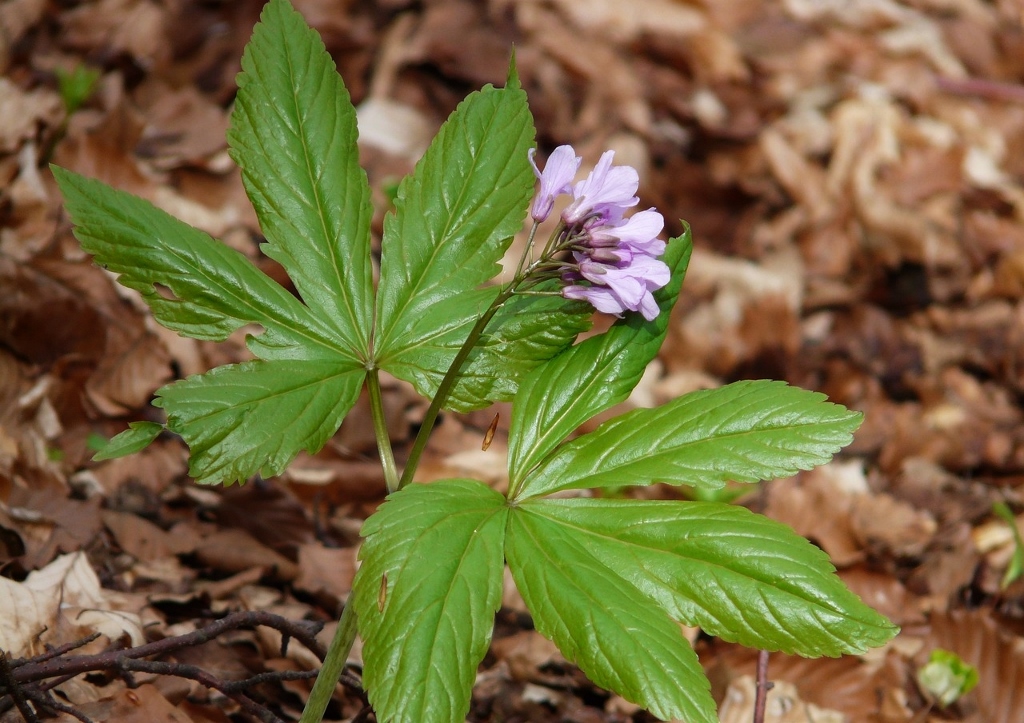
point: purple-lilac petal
(649, 307)
(653, 272)
(606, 189)
(639, 232)
(555, 179)
(601, 298)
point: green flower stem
(334, 663)
(526, 279)
(448, 383)
(380, 430)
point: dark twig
(762, 687)
(30, 670)
(58, 651)
(46, 701)
(17, 695)
(193, 672)
(29, 680)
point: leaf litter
(852, 172)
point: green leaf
(195, 286)
(617, 635)
(1015, 568)
(136, 438)
(735, 574)
(425, 597)
(454, 218)
(947, 677)
(255, 417)
(743, 432)
(590, 377)
(526, 331)
(76, 85)
(294, 136)
(512, 78)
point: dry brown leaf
(182, 127)
(783, 705)
(140, 538)
(525, 653)
(57, 604)
(135, 27)
(22, 112)
(16, 17)
(267, 510)
(29, 612)
(623, 23)
(143, 704)
(881, 522)
(326, 570)
(817, 505)
(236, 551)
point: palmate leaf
(236, 420)
(255, 417)
(425, 597)
(743, 432)
(213, 289)
(293, 134)
(619, 637)
(737, 575)
(454, 218)
(592, 376)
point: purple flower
(555, 179)
(607, 187)
(639, 232)
(613, 261)
(618, 287)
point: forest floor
(853, 172)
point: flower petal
(555, 179)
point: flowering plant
(606, 579)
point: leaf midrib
(411, 545)
(319, 209)
(420, 280)
(651, 458)
(582, 531)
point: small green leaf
(136, 438)
(737, 575)
(743, 432)
(617, 635)
(454, 218)
(946, 677)
(293, 134)
(76, 85)
(425, 597)
(1015, 568)
(590, 377)
(212, 290)
(255, 417)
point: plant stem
(762, 686)
(380, 430)
(444, 389)
(333, 665)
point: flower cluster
(614, 259)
